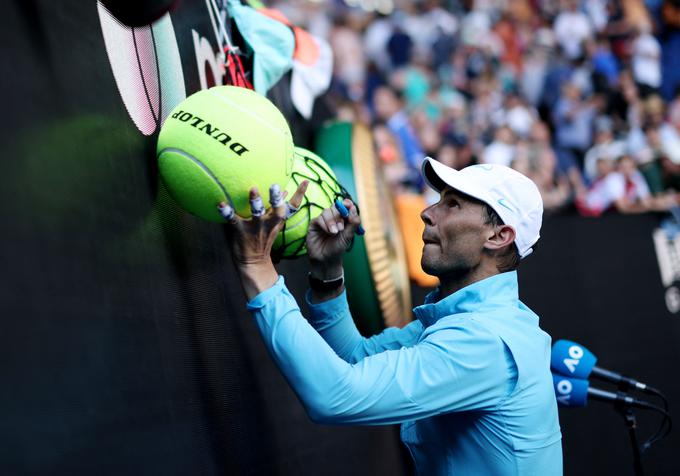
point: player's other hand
(330, 234)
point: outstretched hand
(251, 240)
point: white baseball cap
(512, 195)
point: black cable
(657, 436)
(657, 393)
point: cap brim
(438, 176)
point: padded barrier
(125, 345)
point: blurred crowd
(581, 96)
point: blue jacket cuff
(261, 300)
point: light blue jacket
(469, 379)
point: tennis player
(469, 378)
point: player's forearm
(257, 277)
(311, 367)
(332, 320)
(332, 390)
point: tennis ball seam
(250, 113)
(202, 166)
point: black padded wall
(597, 282)
(125, 346)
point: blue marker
(344, 213)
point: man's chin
(428, 268)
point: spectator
(573, 125)
(534, 72)
(654, 116)
(399, 47)
(605, 147)
(624, 190)
(668, 13)
(536, 159)
(646, 62)
(375, 39)
(491, 81)
(517, 115)
(349, 64)
(618, 29)
(650, 160)
(502, 150)
(572, 28)
(604, 63)
(674, 111)
(389, 108)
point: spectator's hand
(330, 235)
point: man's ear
(500, 237)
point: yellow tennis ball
(322, 191)
(217, 144)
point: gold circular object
(384, 246)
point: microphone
(573, 392)
(574, 360)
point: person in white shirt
(502, 150)
(605, 147)
(646, 61)
(572, 28)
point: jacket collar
(497, 289)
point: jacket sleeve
(456, 368)
(333, 321)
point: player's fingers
(256, 204)
(341, 209)
(354, 217)
(338, 217)
(276, 200)
(331, 220)
(293, 205)
(290, 210)
(228, 214)
(296, 200)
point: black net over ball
(316, 173)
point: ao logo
(564, 388)
(575, 355)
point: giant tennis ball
(322, 191)
(217, 144)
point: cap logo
(487, 167)
(502, 203)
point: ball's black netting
(125, 344)
(325, 183)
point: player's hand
(251, 240)
(330, 234)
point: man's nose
(426, 216)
